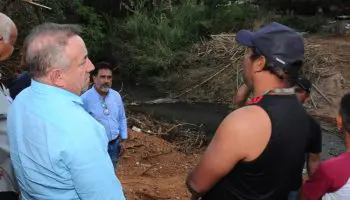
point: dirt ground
(153, 168)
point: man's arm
(84, 99)
(91, 168)
(313, 160)
(123, 128)
(234, 140)
(314, 147)
(317, 185)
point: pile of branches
(187, 137)
(225, 75)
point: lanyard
(278, 91)
(282, 91)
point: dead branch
(121, 87)
(7, 4)
(138, 121)
(135, 146)
(313, 102)
(321, 93)
(203, 82)
(168, 131)
(149, 168)
(36, 4)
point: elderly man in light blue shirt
(57, 149)
(106, 106)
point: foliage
(234, 17)
(311, 24)
(155, 42)
(150, 37)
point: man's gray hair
(45, 46)
(6, 26)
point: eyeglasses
(105, 108)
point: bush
(234, 17)
(152, 43)
(311, 24)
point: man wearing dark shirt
(258, 148)
(20, 83)
(314, 148)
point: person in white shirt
(8, 184)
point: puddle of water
(208, 114)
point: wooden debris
(37, 4)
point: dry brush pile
(187, 137)
(219, 80)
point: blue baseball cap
(281, 45)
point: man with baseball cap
(258, 148)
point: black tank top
(269, 177)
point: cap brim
(245, 38)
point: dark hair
(290, 74)
(102, 65)
(344, 111)
(303, 84)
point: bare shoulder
(245, 119)
(249, 128)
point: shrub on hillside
(311, 24)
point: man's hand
(241, 96)
(122, 148)
(313, 160)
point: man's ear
(339, 121)
(259, 64)
(56, 77)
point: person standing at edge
(331, 180)
(106, 106)
(258, 148)
(57, 149)
(8, 183)
(302, 90)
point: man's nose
(90, 67)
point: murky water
(332, 145)
(210, 115)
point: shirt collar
(52, 90)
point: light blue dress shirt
(115, 121)
(59, 152)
